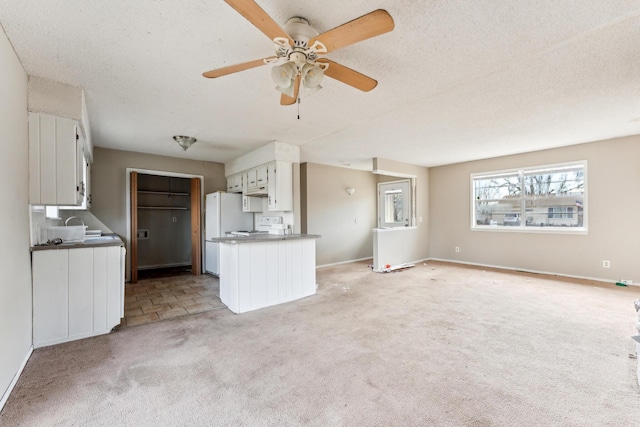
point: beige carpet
(436, 345)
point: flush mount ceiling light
(185, 141)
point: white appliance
(223, 213)
(265, 224)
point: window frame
(522, 227)
(410, 210)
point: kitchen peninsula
(262, 270)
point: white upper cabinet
(54, 177)
(261, 176)
(280, 194)
(234, 183)
(272, 180)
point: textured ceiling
(458, 80)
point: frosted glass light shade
(311, 75)
(284, 74)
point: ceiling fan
(298, 48)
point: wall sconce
(184, 141)
(350, 190)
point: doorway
(165, 219)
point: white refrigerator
(223, 213)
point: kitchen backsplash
(40, 222)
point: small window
(542, 198)
(395, 206)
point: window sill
(534, 230)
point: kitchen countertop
(90, 242)
(253, 238)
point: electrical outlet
(175, 219)
(606, 263)
(457, 249)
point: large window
(545, 198)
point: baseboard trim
(345, 262)
(524, 270)
(5, 397)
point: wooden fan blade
(258, 17)
(348, 76)
(235, 68)
(367, 26)
(287, 100)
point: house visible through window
(547, 197)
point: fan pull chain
(298, 108)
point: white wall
(344, 222)
(613, 177)
(15, 262)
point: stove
(265, 224)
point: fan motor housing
(300, 31)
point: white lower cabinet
(77, 293)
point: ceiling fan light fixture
(184, 141)
(308, 91)
(283, 75)
(312, 75)
(289, 90)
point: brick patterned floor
(155, 299)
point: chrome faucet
(66, 223)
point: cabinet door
(114, 286)
(66, 162)
(234, 183)
(53, 166)
(252, 178)
(280, 191)
(50, 296)
(262, 176)
(87, 180)
(80, 292)
(42, 159)
(100, 289)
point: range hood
(257, 191)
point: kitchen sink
(99, 239)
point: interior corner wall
(415, 242)
(15, 260)
(109, 177)
(344, 222)
(612, 204)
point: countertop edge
(86, 244)
(263, 238)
